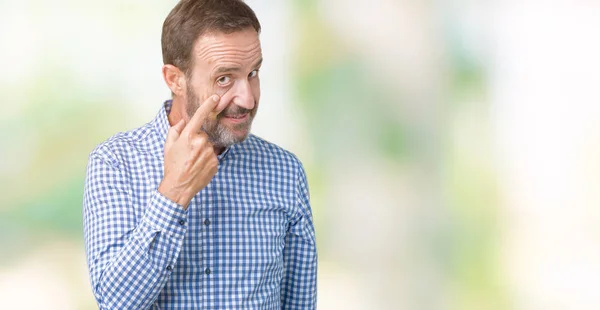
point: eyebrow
(221, 70)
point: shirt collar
(161, 123)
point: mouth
(238, 118)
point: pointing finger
(197, 120)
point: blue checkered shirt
(246, 241)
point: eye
(223, 81)
(254, 73)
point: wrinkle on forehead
(240, 46)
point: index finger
(197, 120)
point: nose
(243, 95)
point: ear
(175, 79)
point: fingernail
(214, 97)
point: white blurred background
(452, 147)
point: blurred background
(452, 147)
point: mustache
(234, 111)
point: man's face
(226, 65)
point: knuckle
(202, 135)
(190, 137)
(198, 142)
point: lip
(237, 120)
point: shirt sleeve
(130, 254)
(299, 284)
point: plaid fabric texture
(246, 241)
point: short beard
(218, 134)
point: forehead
(240, 48)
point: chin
(240, 138)
(239, 134)
(233, 138)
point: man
(191, 211)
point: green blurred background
(452, 147)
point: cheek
(202, 88)
(256, 90)
(210, 124)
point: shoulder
(263, 150)
(122, 146)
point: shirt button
(181, 222)
(206, 222)
(169, 268)
(207, 271)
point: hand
(190, 161)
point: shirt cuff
(166, 216)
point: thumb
(174, 132)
